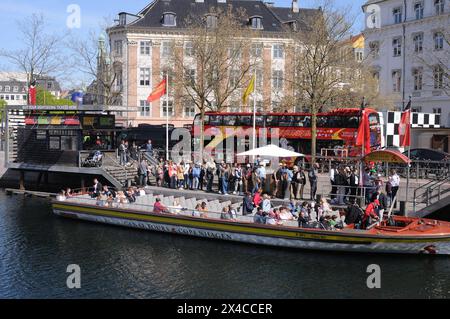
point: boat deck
(186, 206)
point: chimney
(295, 6)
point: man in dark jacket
(248, 206)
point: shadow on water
(125, 263)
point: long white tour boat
(402, 235)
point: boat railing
(85, 198)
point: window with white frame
(437, 110)
(144, 109)
(438, 75)
(256, 23)
(418, 9)
(278, 51)
(15, 89)
(256, 50)
(234, 78)
(439, 6)
(418, 79)
(190, 75)
(189, 49)
(418, 42)
(397, 46)
(7, 88)
(277, 80)
(144, 77)
(259, 79)
(374, 49)
(438, 41)
(145, 47)
(189, 109)
(235, 51)
(397, 14)
(166, 49)
(396, 80)
(167, 106)
(169, 19)
(211, 21)
(118, 48)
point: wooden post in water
(22, 180)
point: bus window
(322, 121)
(215, 120)
(307, 121)
(245, 120)
(298, 121)
(260, 120)
(286, 120)
(352, 122)
(197, 120)
(271, 120)
(229, 120)
(374, 119)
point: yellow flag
(250, 89)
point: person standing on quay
(313, 172)
(394, 180)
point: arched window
(169, 19)
(256, 22)
(211, 21)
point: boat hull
(256, 234)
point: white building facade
(406, 43)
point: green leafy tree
(44, 97)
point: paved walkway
(2, 164)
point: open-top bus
(229, 133)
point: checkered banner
(418, 120)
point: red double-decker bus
(336, 130)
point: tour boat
(402, 235)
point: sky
(93, 14)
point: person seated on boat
(176, 208)
(141, 191)
(69, 193)
(294, 208)
(285, 214)
(226, 214)
(204, 210)
(273, 218)
(313, 211)
(353, 214)
(196, 212)
(131, 197)
(257, 199)
(233, 212)
(159, 208)
(303, 220)
(97, 189)
(370, 214)
(102, 200)
(259, 217)
(109, 200)
(383, 201)
(248, 207)
(266, 205)
(61, 196)
(108, 192)
(121, 198)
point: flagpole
(363, 150)
(254, 114)
(409, 156)
(167, 116)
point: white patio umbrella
(271, 151)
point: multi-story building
(14, 90)
(141, 46)
(407, 46)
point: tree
(43, 97)
(41, 51)
(93, 57)
(319, 59)
(3, 105)
(216, 63)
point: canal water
(36, 248)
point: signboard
(387, 156)
(99, 122)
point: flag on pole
(32, 93)
(363, 137)
(250, 89)
(158, 92)
(405, 126)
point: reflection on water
(36, 248)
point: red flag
(405, 127)
(158, 92)
(32, 93)
(363, 137)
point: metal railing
(426, 196)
